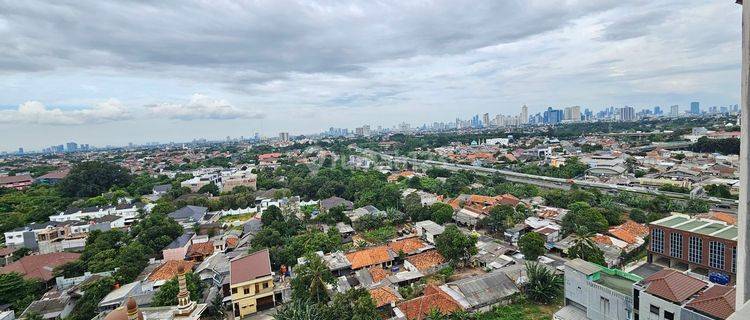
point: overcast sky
(113, 72)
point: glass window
(734, 259)
(675, 245)
(695, 250)
(655, 310)
(657, 240)
(716, 255)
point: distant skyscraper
(20, 151)
(657, 110)
(284, 136)
(695, 107)
(71, 147)
(674, 111)
(626, 114)
(475, 123)
(524, 114)
(552, 116)
(486, 119)
(575, 113)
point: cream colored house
(251, 282)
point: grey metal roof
(583, 266)
(189, 212)
(484, 289)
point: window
(234, 290)
(716, 255)
(265, 285)
(604, 305)
(668, 315)
(657, 240)
(655, 310)
(257, 287)
(675, 245)
(246, 290)
(734, 259)
(695, 250)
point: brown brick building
(700, 245)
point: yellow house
(251, 283)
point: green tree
(456, 246)
(354, 304)
(441, 212)
(500, 218)
(167, 294)
(544, 286)
(87, 307)
(531, 245)
(17, 291)
(299, 310)
(92, 178)
(638, 215)
(210, 188)
(585, 248)
(271, 215)
(309, 286)
(582, 215)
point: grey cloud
(269, 38)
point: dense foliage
(92, 178)
(167, 294)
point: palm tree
(544, 286)
(585, 248)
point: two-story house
(251, 283)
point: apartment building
(251, 284)
(596, 293)
(702, 246)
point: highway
(547, 182)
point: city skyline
(152, 84)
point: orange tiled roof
(600, 238)
(426, 260)
(368, 257)
(635, 228)
(377, 273)
(623, 235)
(384, 295)
(232, 242)
(717, 301)
(723, 217)
(433, 298)
(168, 270)
(672, 285)
(200, 249)
(407, 245)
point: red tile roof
(368, 257)
(426, 260)
(717, 301)
(250, 267)
(377, 274)
(168, 270)
(433, 298)
(673, 285)
(384, 295)
(407, 245)
(202, 249)
(40, 266)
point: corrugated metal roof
(583, 266)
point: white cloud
(202, 107)
(35, 112)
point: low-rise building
(670, 294)
(597, 293)
(251, 283)
(702, 246)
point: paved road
(548, 182)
